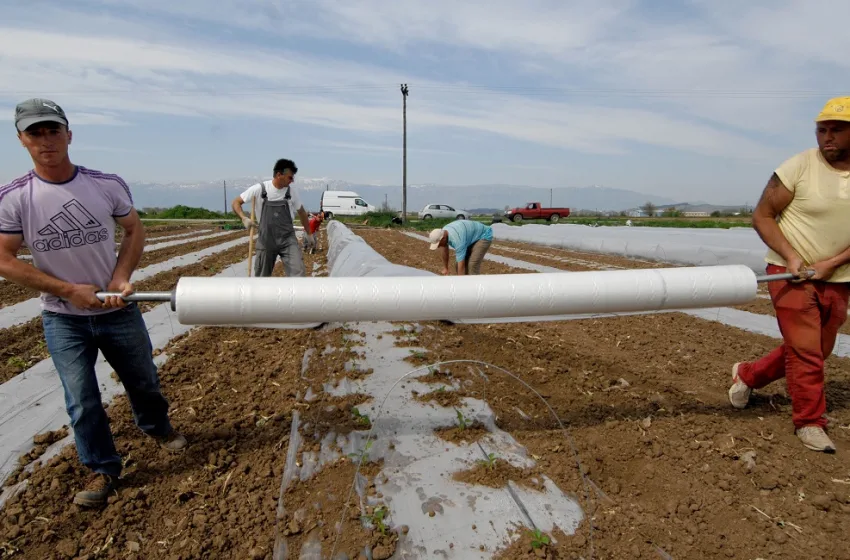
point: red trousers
(809, 316)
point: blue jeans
(121, 335)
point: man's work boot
(815, 438)
(173, 442)
(96, 491)
(739, 393)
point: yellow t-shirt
(817, 221)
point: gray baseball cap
(33, 111)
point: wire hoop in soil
(486, 365)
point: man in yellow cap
(803, 217)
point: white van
(343, 203)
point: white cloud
(373, 148)
(533, 26)
(741, 65)
(538, 25)
(121, 76)
(640, 76)
(802, 31)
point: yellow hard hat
(836, 109)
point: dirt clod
(822, 502)
(67, 548)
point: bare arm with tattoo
(774, 199)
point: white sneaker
(739, 393)
(816, 439)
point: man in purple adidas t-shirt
(66, 215)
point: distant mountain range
(210, 194)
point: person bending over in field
(470, 241)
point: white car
(442, 211)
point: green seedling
(489, 462)
(360, 418)
(363, 455)
(417, 354)
(377, 519)
(349, 344)
(17, 362)
(462, 421)
(539, 538)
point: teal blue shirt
(463, 233)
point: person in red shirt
(314, 223)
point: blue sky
(695, 99)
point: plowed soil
(21, 347)
(658, 459)
(667, 459)
(160, 255)
(152, 235)
(495, 473)
(232, 393)
(11, 293)
(392, 245)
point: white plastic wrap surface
(685, 246)
(350, 255)
(207, 301)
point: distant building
(696, 214)
(639, 213)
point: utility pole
(225, 198)
(404, 155)
(550, 199)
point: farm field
(383, 219)
(655, 457)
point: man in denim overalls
(278, 202)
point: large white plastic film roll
(209, 301)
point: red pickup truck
(535, 211)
